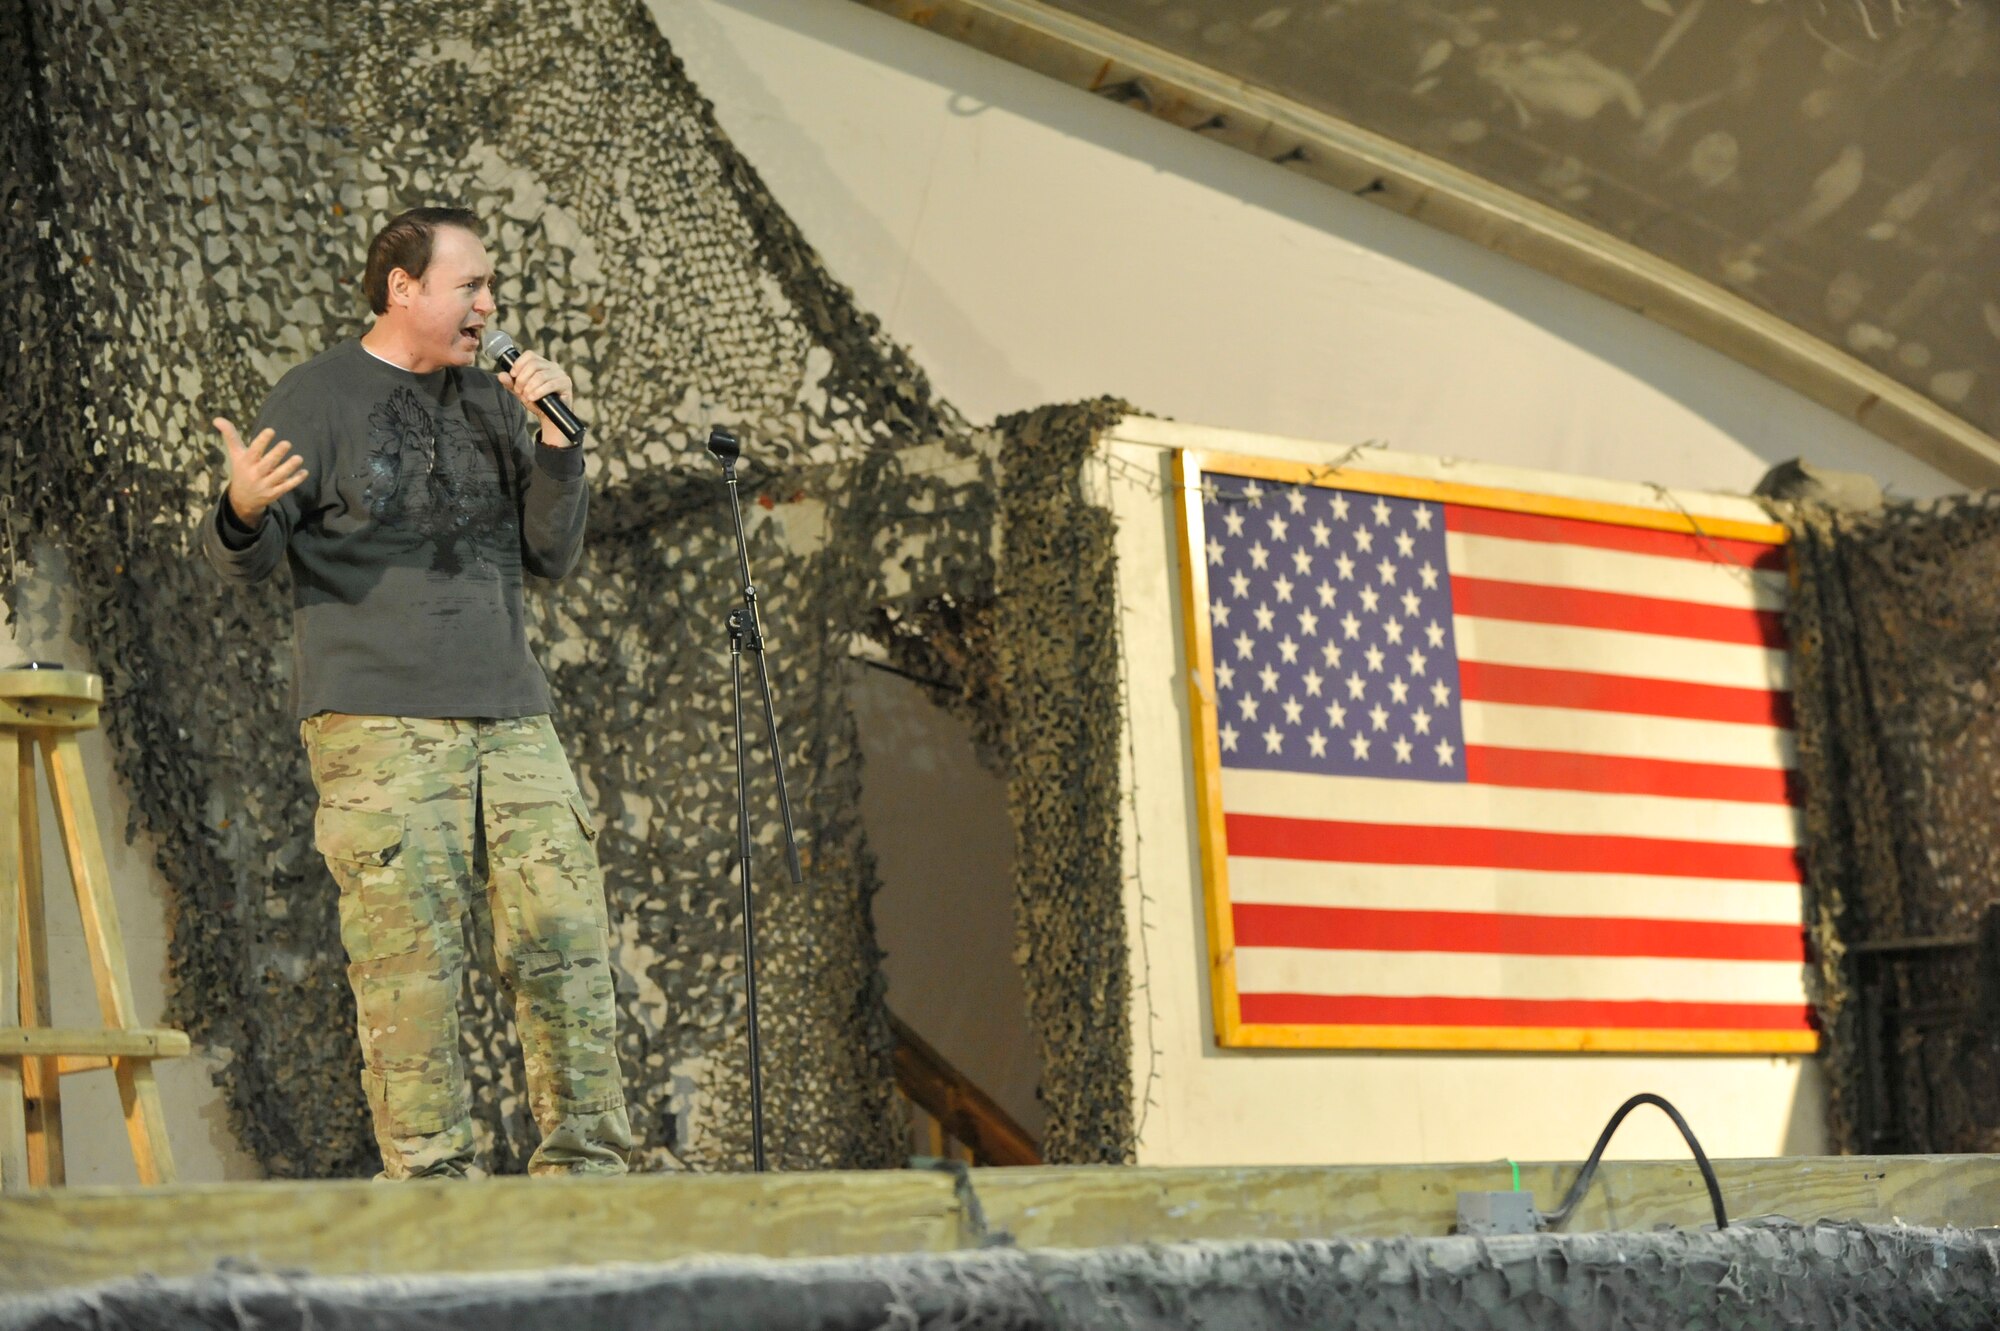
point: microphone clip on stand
(746, 633)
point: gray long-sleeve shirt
(428, 496)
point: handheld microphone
(502, 349)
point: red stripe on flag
(1259, 836)
(1535, 686)
(1346, 929)
(1610, 536)
(1529, 603)
(1374, 1010)
(1541, 769)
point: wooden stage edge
(77, 1236)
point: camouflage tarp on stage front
(1774, 1275)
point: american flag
(1492, 777)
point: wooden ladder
(43, 710)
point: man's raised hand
(259, 472)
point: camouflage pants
(429, 825)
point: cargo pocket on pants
(362, 837)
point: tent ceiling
(1835, 163)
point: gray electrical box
(1496, 1213)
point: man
(409, 492)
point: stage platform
(74, 1237)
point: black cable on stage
(1557, 1218)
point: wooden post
(145, 1120)
(41, 1077)
(13, 1104)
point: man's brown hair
(405, 243)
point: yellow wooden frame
(1189, 470)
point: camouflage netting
(187, 193)
(1895, 619)
(1034, 672)
(1773, 1275)
(1058, 629)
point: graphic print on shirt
(429, 475)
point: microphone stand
(746, 633)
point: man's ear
(401, 286)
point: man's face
(446, 311)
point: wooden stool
(44, 709)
